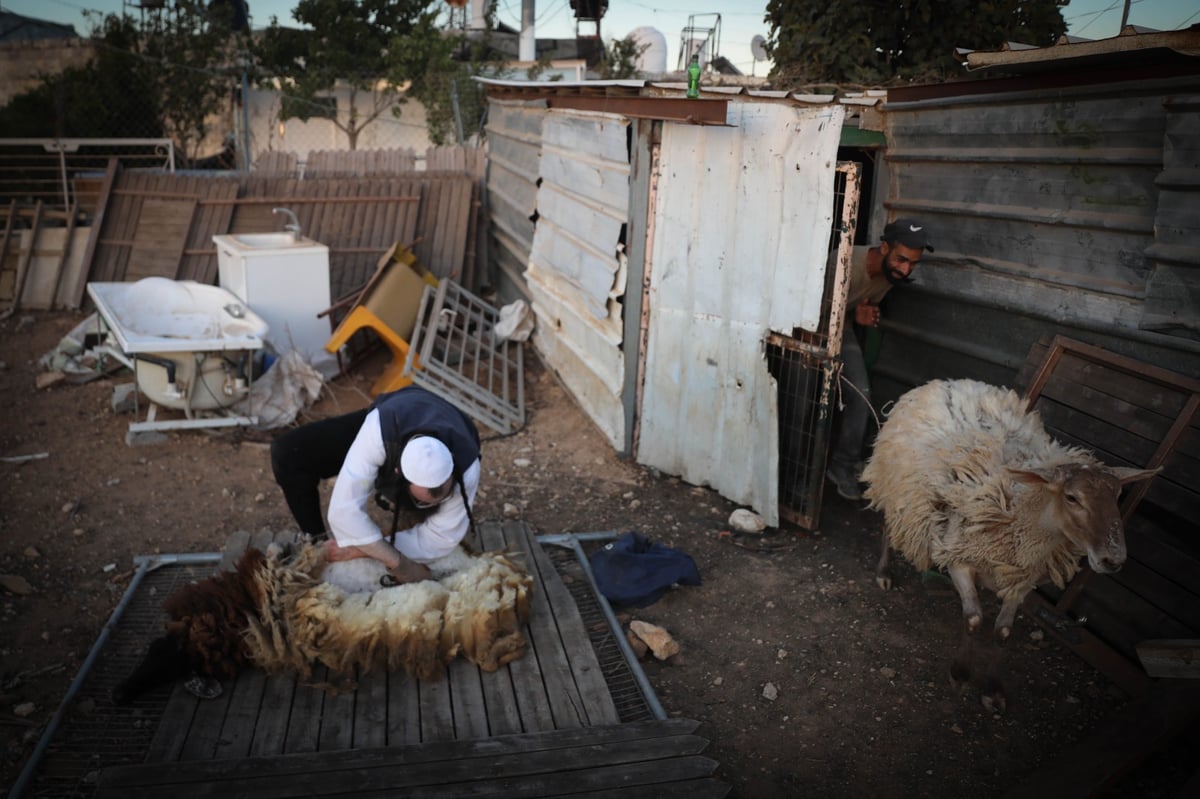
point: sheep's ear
(1127, 475)
(1035, 476)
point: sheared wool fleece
(474, 606)
(939, 473)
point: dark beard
(894, 277)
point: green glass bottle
(693, 90)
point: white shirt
(350, 524)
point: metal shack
(662, 243)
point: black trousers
(304, 456)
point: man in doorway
(873, 273)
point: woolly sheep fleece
(941, 457)
(337, 614)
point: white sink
(270, 241)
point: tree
(439, 67)
(112, 96)
(190, 47)
(621, 59)
(883, 42)
(346, 44)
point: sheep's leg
(963, 577)
(1006, 617)
(993, 696)
(883, 570)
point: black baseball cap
(908, 232)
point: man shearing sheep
(413, 451)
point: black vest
(413, 411)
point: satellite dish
(758, 47)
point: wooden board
(158, 241)
(559, 684)
(658, 758)
(545, 725)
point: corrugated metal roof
(1132, 40)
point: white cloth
(350, 523)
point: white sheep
(969, 481)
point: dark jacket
(413, 411)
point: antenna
(759, 50)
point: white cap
(426, 462)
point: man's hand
(867, 314)
(408, 571)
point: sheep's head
(1082, 505)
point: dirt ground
(805, 676)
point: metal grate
(460, 357)
(95, 733)
(627, 694)
(806, 368)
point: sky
(740, 20)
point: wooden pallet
(539, 726)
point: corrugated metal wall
(1043, 203)
(514, 132)
(741, 232)
(577, 267)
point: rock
(637, 644)
(1037, 635)
(24, 709)
(659, 640)
(887, 673)
(15, 584)
(635, 504)
(511, 511)
(124, 398)
(746, 521)
(47, 379)
(32, 553)
(770, 692)
(522, 462)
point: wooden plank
(499, 698)
(552, 740)
(270, 729)
(371, 710)
(304, 724)
(158, 242)
(612, 753)
(337, 714)
(75, 293)
(1174, 658)
(466, 700)
(437, 719)
(63, 256)
(588, 686)
(1116, 746)
(25, 259)
(403, 710)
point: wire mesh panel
(806, 368)
(461, 358)
(96, 732)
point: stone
(747, 521)
(15, 584)
(124, 398)
(659, 640)
(770, 692)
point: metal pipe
(572, 540)
(48, 734)
(145, 564)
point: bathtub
(189, 344)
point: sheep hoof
(993, 699)
(1002, 634)
(202, 687)
(884, 581)
(960, 675)
(974, 622)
